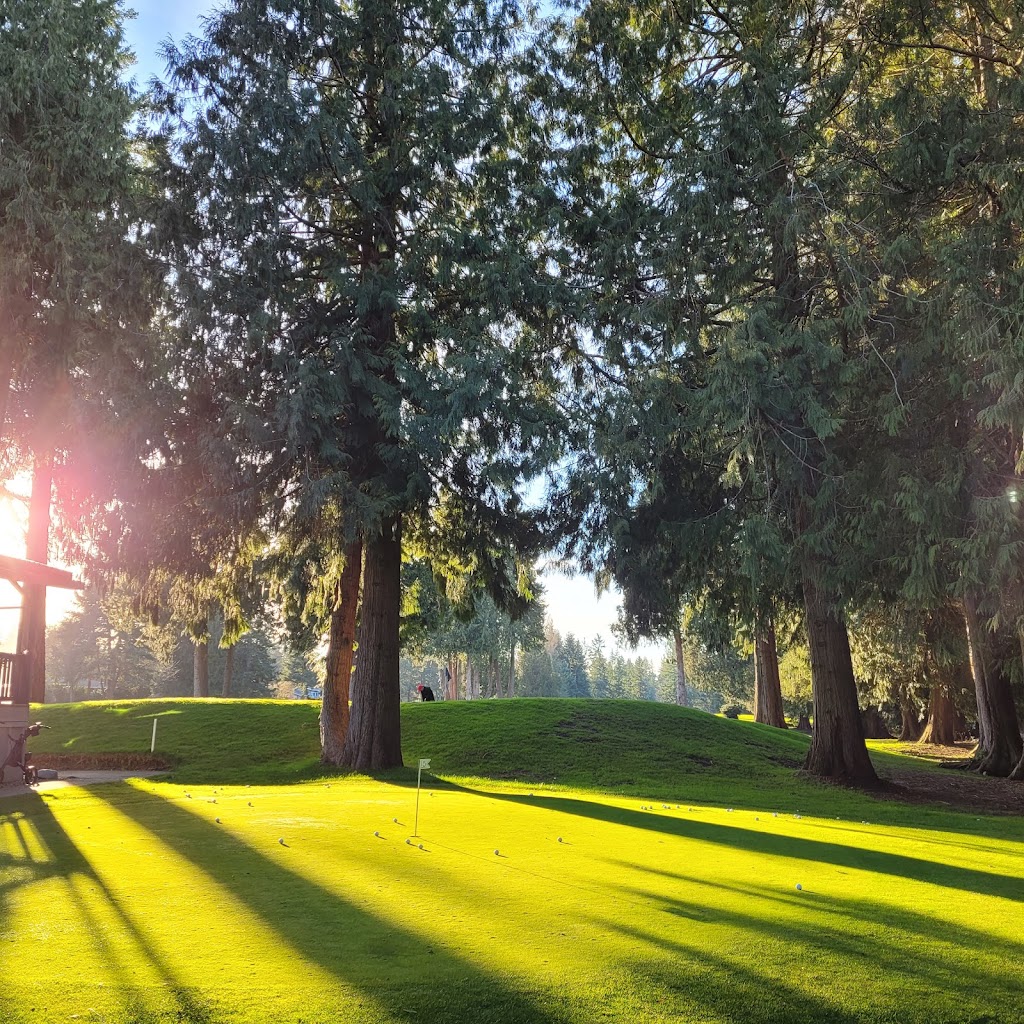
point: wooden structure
(14, 675)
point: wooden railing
(13, 681)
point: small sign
(424, 763)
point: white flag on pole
(424, 763)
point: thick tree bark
(940, 725)
(767, 683)
(374, 738)
(200, 668)
(999, 745)
(837, 749)
(682, 697)
(875, 726)
(511, 692)
(32, 626)
(910, 722)
(334, 709)
(6, 373)
(229, 670)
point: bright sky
(572, 600)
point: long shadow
(66, 861)
(910, 959)
(855, 909)
(740, 995)
(733, 992)
(334, 933)
(933, 872)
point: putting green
(130, 902)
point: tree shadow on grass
(856, 909)
(729, 990)
(335, 934)
(903, 956)
(932, 872)
(59, 857)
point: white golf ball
(496, 854)
(377, 834)
(799, 886)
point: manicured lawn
(130, 902)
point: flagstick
(424, 763)
(416, 824)
(152, 742)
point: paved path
(73, 777)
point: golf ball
(799, 886)
(496, 854)
(377, 834)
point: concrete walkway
(74, 777)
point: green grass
(131, 903)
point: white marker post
(152, 742)
(424, 763)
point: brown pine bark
(767, 683)
(999, 745)
(374, 738)
(6, 372)
(200, 668)
(682, 698)
(875, 726)
(940, 724)
(910, 723)
(334, 709)
(837, 748)
(32, 625)
(229, 670)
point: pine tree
(349, 276)
(75, 287)
(715, 163)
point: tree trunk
(999, 746)
(682, 698)
(875, 726)
(229, 670)
(6, 373)
(511, 692)
(940, 726)
(837, 749)
(32, 626)
(334, 708)
(469, 678)
(910, 723)
(374, 738)
(200, 668)
(767, 683)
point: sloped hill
(597, 744)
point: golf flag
(424, 763)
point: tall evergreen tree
(74, 285)
(703, 176)
(349, 275)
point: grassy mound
(218, 740)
